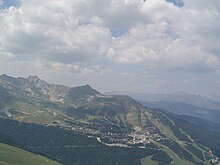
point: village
(138, 137)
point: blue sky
(8, 3)
(179, 3)
(149, 46)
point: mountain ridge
(117, 123)
(196, 100)
(182, 108)
(40, 88)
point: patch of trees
(162, 157)
(195, 151)
(67, 146)
(200, 134)
(176, 130)
(175, 147)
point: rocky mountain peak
(81, 91)
(33, 78)
(40, 88)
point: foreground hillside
(12, 155)
(82, 126)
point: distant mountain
(181, 103)
(186, 109)
(203, 123)
(214, 97)
(196, 100)
(79, 125)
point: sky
(147, 46)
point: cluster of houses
(138, 137)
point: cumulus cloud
(36, 31)
(158, 31)
(53, 30)
(184, 38)
(112, 37)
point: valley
(75, 125)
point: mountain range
(181, 103)
(79, 125)
(207, 102)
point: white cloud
(158, 31)
(74, 38)
(50, 31)
(177, 38)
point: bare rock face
(41, 89)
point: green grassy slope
(37, 124)
(14, 156)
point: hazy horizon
(124, 92)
